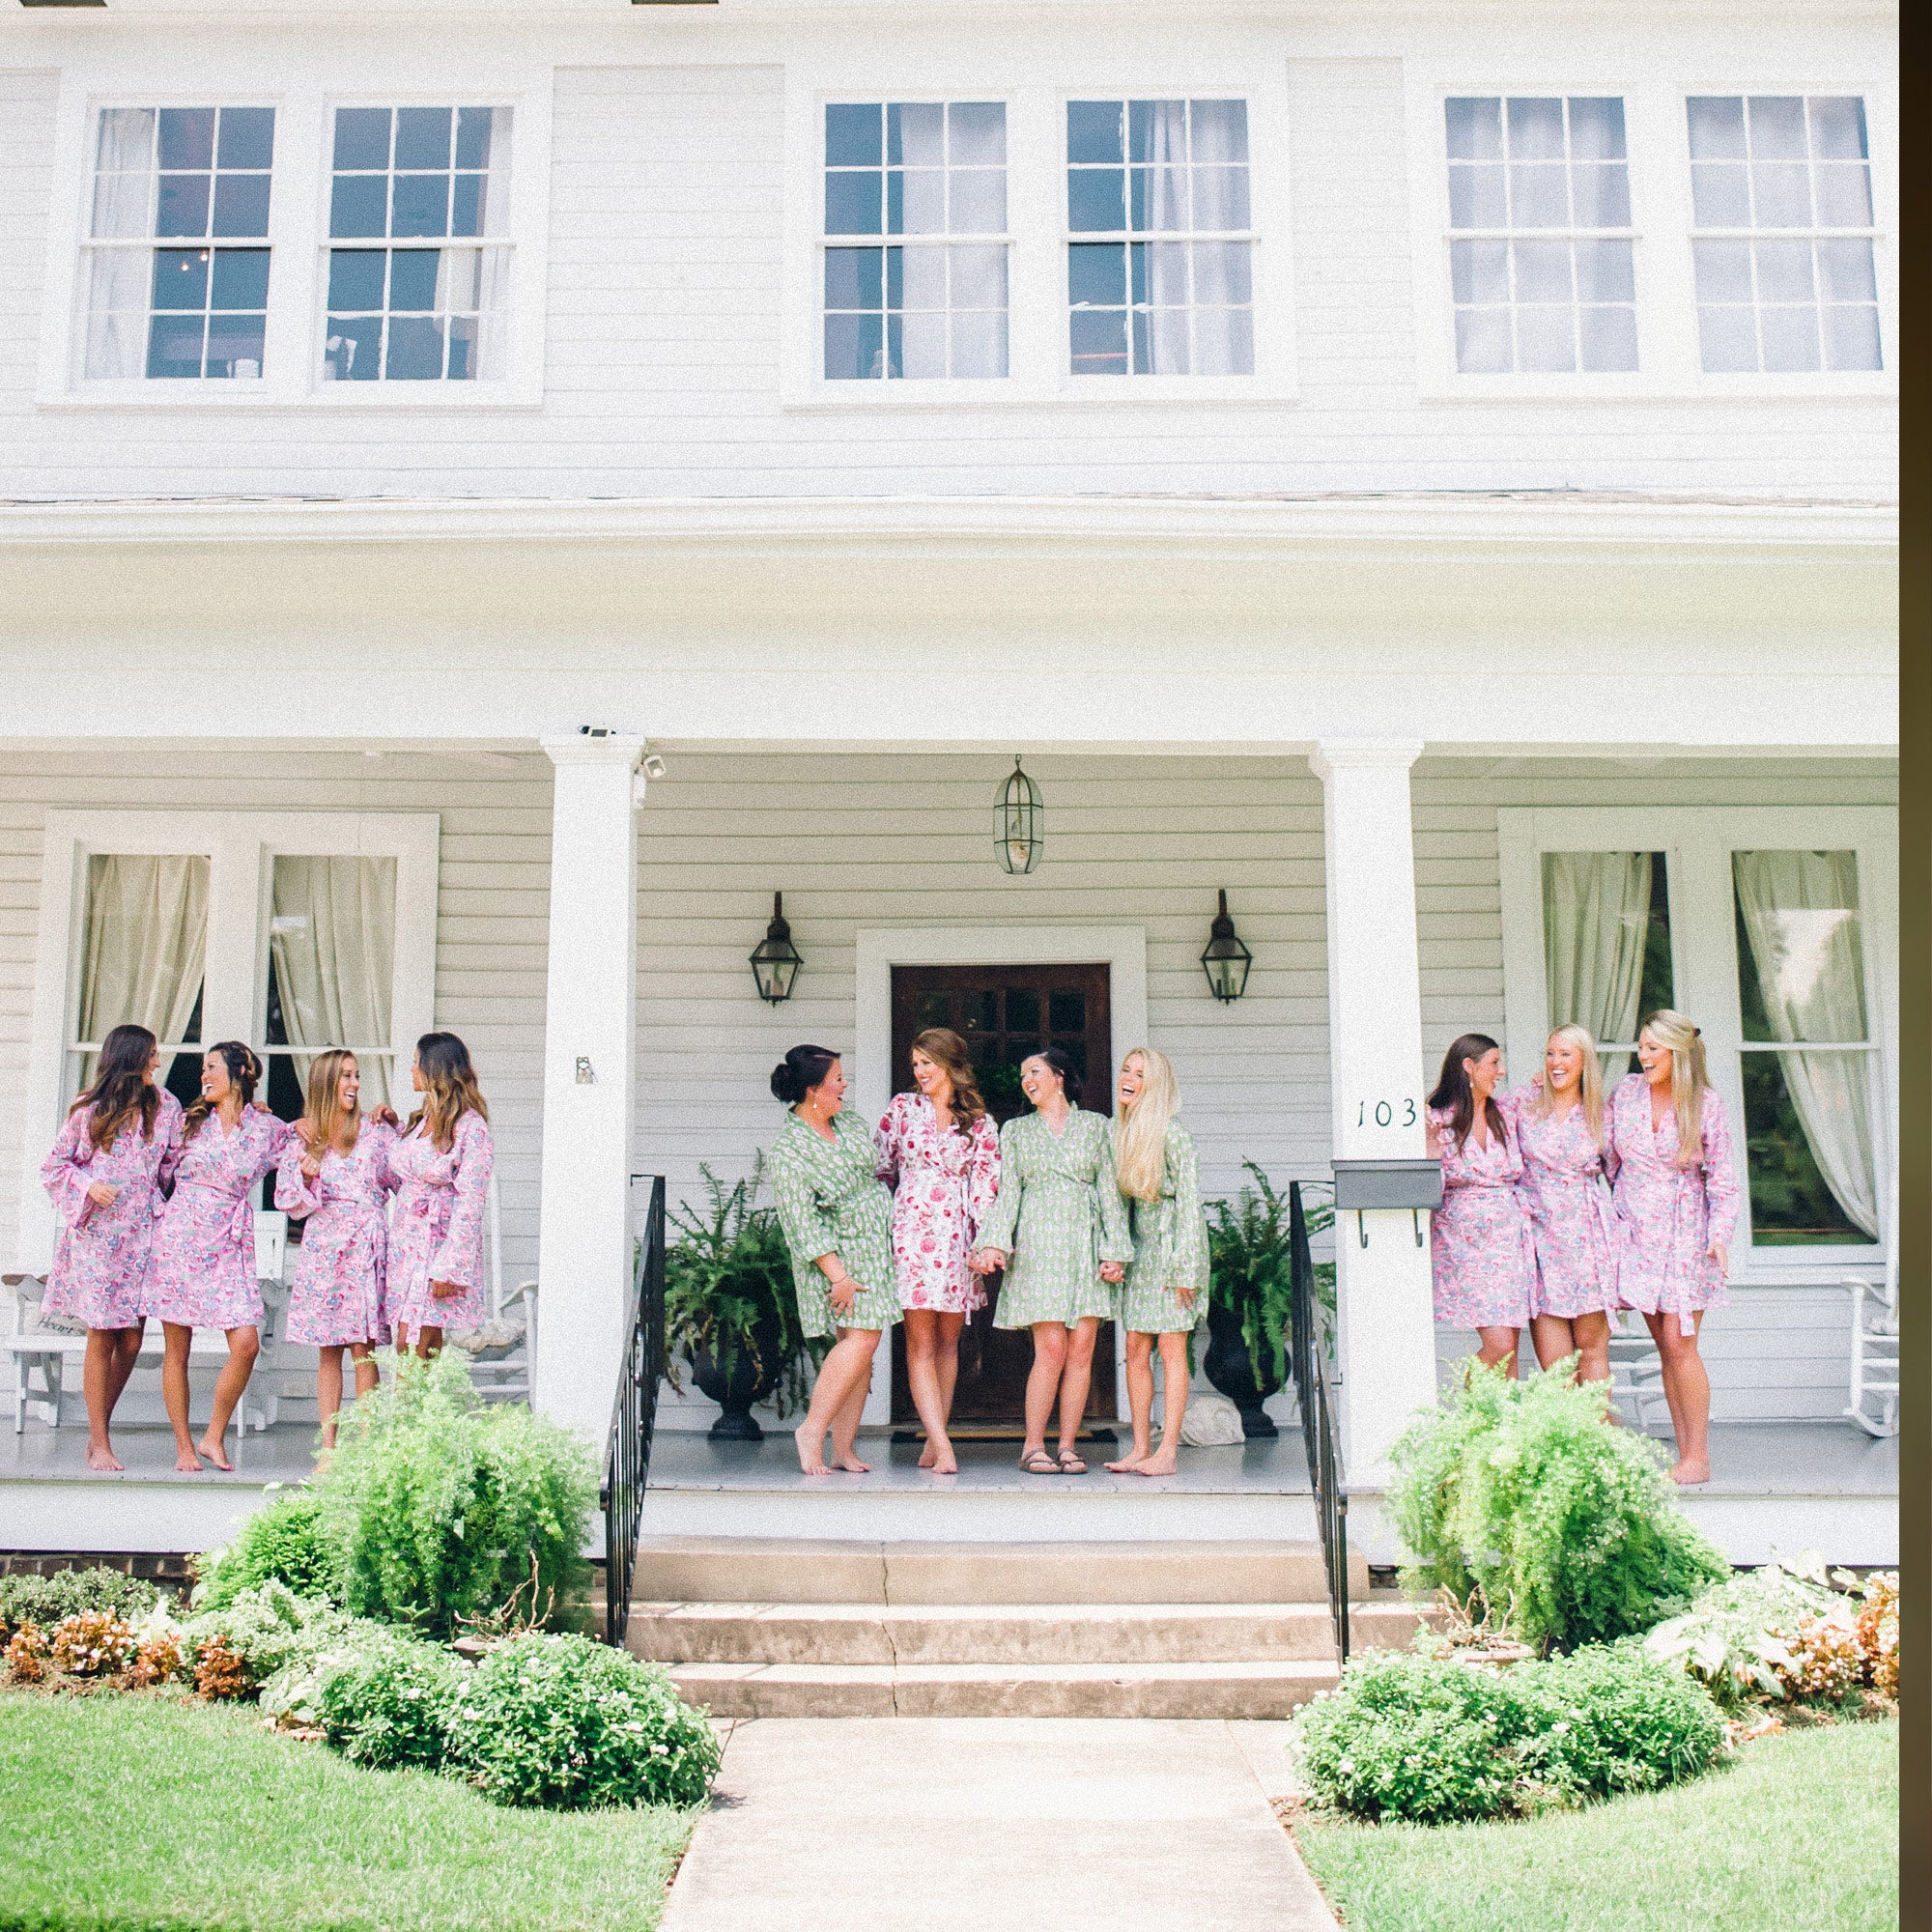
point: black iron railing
(1308, 1343)
(626, 1461)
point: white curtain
(1595, 917)
(145, 948)
(1800, 918)
(118, 284)
(332, 935)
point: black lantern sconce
(1226, 960)
(1019, 822)
(776, 962)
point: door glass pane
(1023, 1012)
(932, 1010)
(980, 1011)
(1791, 1203)
(1066, 1011)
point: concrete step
(767, 1571)
(1275, 1689)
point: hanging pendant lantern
(1019, 822)
(1226, 960)
(776, 962)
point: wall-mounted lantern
(1226, 960)
(776, 962)
(1019, 822)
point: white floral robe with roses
(944, 1184)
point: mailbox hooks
(1414, 1217)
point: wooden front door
(1004, 1013)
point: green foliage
(1426, 1738)
(288, 1541)
(1251, 1267)
(446, 1507)
(47, 1600)
(1531, 1510)
(1732, 1639)
(728, 1288)
(387, 1700)
(270, 1628)
(575, 1726)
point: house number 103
(1384, 1114)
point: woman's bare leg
(327, 1390)
(245, 1344)
(1075, 1382)
(1499, 1345)
(1173, 1405)
(1549, 1335)
(1049, 1360)
(851, 1412)
(1687, 1389)
(847, 1366)
(176, 1340)
(1592, 1334)
(368, 1376)
(1140, 1403)
(110, 1358)
(429, 1343)
(921, 1337)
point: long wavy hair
(335, 1125)
(244, 1072)
(1139, 1154)
(1590, 1080)
(1455, 1096)
(1689, 1080)
(121, 1088)
(948, 1052)
(449, 1087)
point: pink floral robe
(1481, 1253)
(340, 1290)
(203, 1272)
(436, 1227)
(944, 1185)
(101, 1262)
(1668, 1216)
(1571, 1222)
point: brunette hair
(120, 1087)
(1062, 1061)
(335, 1127)
(449, 1087)
(1140, 1157)
(1454, 1093)
(1689, 1080)
(948, 1051)
(243, 1071)
(801, 1069)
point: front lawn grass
(148, 1814)
(1799, 1834)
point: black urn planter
(755, 1375)
(1233, 1371)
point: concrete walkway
(996, 1825)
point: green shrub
(1732, 1640)
(446, 1509)
(574, 1726)
(1529, 1508)
(269, 1629)
(47, 1600)
(386, 1701)
(288, 1541)
(1426, 1738)
(1250, 1266)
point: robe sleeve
(169, 1125)
(295, 1194)
(810, 1231)
(889, 1140)
(1117, 1241)
(463, 1242)
(1187, 1261)
(1720, 1176)
(63, 1174)
(1000, 1224)
(982, 1176)
(383, 1156)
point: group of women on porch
(1562, 1205)
(157, 1210)
(1090, 1220)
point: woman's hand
(1112, 1273)
(445, 1290)
(311, 1165)
(989, 1261)
(843, 1293)
(1186, 1296)
(1722, 1255)
(305, 1132)
(384, 1115)
(102, 1194)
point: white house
(585, 467)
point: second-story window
(419, 259)
(1540, 266)
(1160, 246)
(178, 257)
(1781, 191)
(915, 239)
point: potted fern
(729, 1309)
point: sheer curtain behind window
(146, 947)
(332, 935)
(1801, 915)
(1595, 915)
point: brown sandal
(1071, 1463)
(1039, 1463)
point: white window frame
(240, 848)
(298, 235)
(1037, 326)
(1697, 842)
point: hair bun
(785, 1085)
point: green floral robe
(1170, 1245)
(1059, 1215)
(830, 1200)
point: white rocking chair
(502, 1353)
(1874, 1374)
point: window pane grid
(1182, 304)
(928, 298)
(1542, 274)
(1781, 193)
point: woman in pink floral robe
(1675, 1213)
(203, 1272)
(944, 1178)
(1481, 1254)
(107, 1197)
(442, 1162)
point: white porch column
(1387, 1339)
(590, 1025)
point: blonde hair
(335, 1125)
(949, 1053)
(1589, 1079)
(1139, 1154)
(1684, 1039)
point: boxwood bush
(45, 1600)
(388, 1702)
(289, 1542)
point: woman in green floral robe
(838, 1220)
(1060, 1229)
(1166, 1290)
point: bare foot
(1163, 1463)
(811, 1457)
(851, 1464)
(926, 1458)
(187, 1461)
(941, 1463)
(1129, 1464)
(1689, 1474)
(101, 1457)
(214, 1455)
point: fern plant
(1249, 1253)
